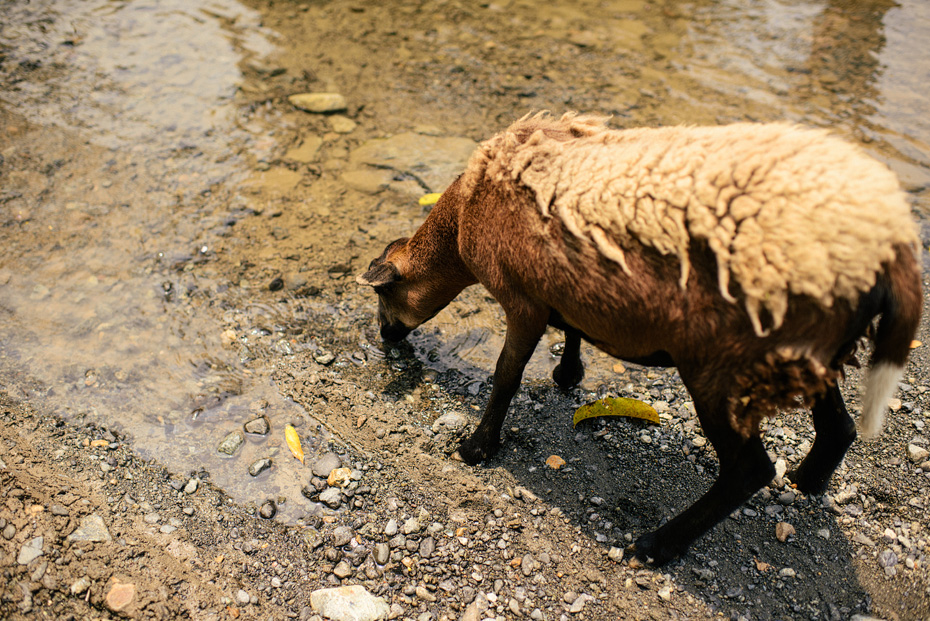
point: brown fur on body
(544, 267)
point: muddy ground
(244, 242)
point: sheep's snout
(394, 333)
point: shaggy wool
(785, 209)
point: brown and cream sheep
(753, 257)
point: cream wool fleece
(786, 210)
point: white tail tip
(879, 386)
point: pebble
(120, 596)
(258, 426)
(259, 466)
(450, 422)
(343, 570)
(242, 597)
(91, 528)
(391, 529)
(268, 510)
(411, 526)
(787, 572)
(325, 464)
(579, 603)
(231, 443)
(30, 551)
(427, 547)
(339, 477)
(615, 554)
(331, 497)
(80, 585)
(342, 536)
(192, 486)
(917, 454)
(318, 102)
(424, 594)
(151, 518)
(341, 124)
(59, 510)
(382, 553)
(887, 558)
(783, 530)
(349, 603)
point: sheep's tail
(900, 307)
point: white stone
(349, 603)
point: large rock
(434, 161)
(349, 603)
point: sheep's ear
(378, 275)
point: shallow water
(138, 134)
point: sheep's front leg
(570, 370)
(523, 333)
(744, 468)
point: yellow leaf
(430, 199)
(761, 565)
(100, 443)
(293, 442)
(915, 344)
(555, 462)
(616, 406)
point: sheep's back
(786, 210)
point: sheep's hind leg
(521, 340)
(835, 432)
(744, 468)
(570, 370)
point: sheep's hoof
(648, 550)
(566, 379)
(807, 483)
(473, 452)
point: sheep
(752, 257)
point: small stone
(59, 510)
(151, 518)
(391, 529)
(343, 570)
(341, 124)
(887, 558)
(318, 102)
(324, 357)
(783, 530)
(30, 551)
(231, 443)
(192, 486)
(9, 531)
(382, 553)
(91, 528)
(331, 497)
(824, 533)
(339, 477)
(259, 466)
(555, 462)
(788, 497)
(424, 594)
(120, 596)
(427, 547)
(167, 529)
(258, 426)
(325, 464)
(268, 510)
(787, 572)
(342, 536)
(615, 554)
(349, 603)
(450, 422)
(411, 526)
(242, 597)
(917, 454)
(578, 605)
(665, 594)
(80, 585)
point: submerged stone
(231, 443)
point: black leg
(521, 340)
(835, 432)
(744, 468)
(570, 370)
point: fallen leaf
(783, 530)
(915, 344)
(762, 566)
(555, 462)
(293, 442)
(361, 421)
(430, 199)
(616, 406)
(100, 443)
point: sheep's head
(405, 299)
